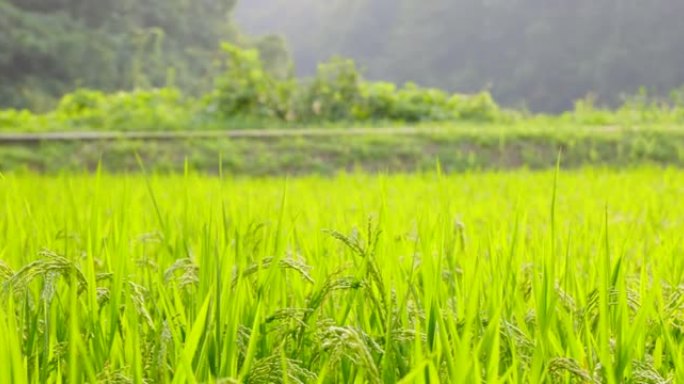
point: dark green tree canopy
(49, 47)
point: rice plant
(519, 277)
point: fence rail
(179, 135)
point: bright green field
(355, 279)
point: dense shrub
(246, 94)
(637, 109)
(22, 121)
(336, 93)
(158, 109)
(245, 89)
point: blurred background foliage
(180, 64)
(246, 94)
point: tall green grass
(495, 277)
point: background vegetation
(124, 66)
(246, 94)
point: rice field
(517, 277)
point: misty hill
(536, 53)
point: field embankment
(327, 151)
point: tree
(49, 47)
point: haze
(535, 53)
